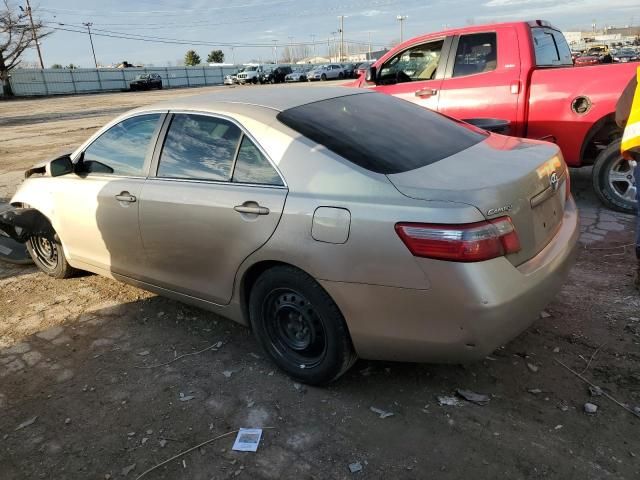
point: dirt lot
(87, 390)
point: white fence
(53, 81)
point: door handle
(126, 197)
(251, 209)
(426, 92)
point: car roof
(273, 97)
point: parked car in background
(337, 223)
(362, 67)
(276, 75)
(597, 50)
(349, 70)
(265, 74)
(250, 74)
(521, 72)
(146, 81)
(625, 55)
(232, 79)
(326, 72)
(587, 60)
(298, 75)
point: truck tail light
(470, 242)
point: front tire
(48, 255)
(613, 180)
(323, 77)
(299, 326)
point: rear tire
(299, 326)
(613, 180)
(48, 255)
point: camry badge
(494, 211)
(554, 181)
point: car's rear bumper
(469, 310)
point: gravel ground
(92, 384)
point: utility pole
(313, 41)
(369, 46)
(275, 52)
(290, 49)
(35, 35)
(88, 25)
(233, 55)
(341, 17)
(401, 19)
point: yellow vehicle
(598, 50)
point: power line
(175, 41)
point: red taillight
(470, 242)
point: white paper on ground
(247, 440)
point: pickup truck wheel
(613, 180)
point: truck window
(415, 64)
(476, 53)
(551, 47)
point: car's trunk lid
(500, 176)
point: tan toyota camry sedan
(336, 223)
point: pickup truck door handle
(251, 209)
(426, 93)
(125, 197)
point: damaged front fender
(21, 223)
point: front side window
(199, 147)
(417, 63)
(381, 133)
(253, 167)
(122, 149)
(476, 53)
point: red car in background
(521, 72)
(586, 60)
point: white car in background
(326, 72)
(299, 75)
(250, 74)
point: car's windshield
(381, 133)
(142, 77)
(251, 69)
(551, 47)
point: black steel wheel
(294, 327)
(48, 255)
(299, 326)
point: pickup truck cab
(521, 72)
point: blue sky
(262, 21)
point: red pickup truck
(521, 72)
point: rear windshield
(551, 47)
(381, 133)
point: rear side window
(551, 47)
(253, 167)
(381, 133)
(199, 147)
(477, 53)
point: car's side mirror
(371, 75)
(61, 166)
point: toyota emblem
(553, 180)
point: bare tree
(16, 36)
